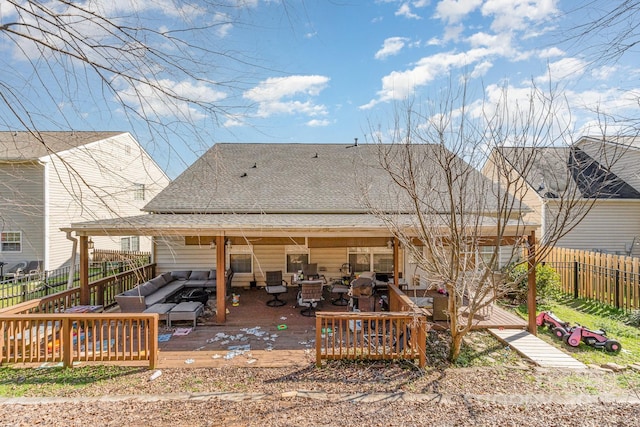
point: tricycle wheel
(559, 332)
(612, 346)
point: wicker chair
(309, 295)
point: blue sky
(327, 71)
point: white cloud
(391, 46)
(565, 69)
(318, 123)
(605, 72)
(512, 14)
(405, 10)
(157, 101)
(481, 69)
(400, 84)
(454, 11)
(271, 95)
(550, 53)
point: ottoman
(162, 310)
(188, 310)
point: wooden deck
(262, 336)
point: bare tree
(100, 58)
(462, 227)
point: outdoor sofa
(161, 287)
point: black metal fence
(29, 286)
(610, 279)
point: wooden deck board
(536, 350)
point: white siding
(96, 181)
(22, 209)
(609, 226)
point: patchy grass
(592, 315)
(16, 382)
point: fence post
(617, 288)
(575, 280)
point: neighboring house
(278, 206)
(49, 180)
(599, 181)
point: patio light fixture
(212, 244)
(90, 244)
(228, 243)
(390, 244)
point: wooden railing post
(66, 347)
(318, 341)
(153, 342)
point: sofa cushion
(168, 278)
(163, 293)
(158, 281)
(147, 288)
(181, 274)
(212, 275)
(200, 284)
(199, 275)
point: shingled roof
(588, 169)
(297, 178)
(24, 146)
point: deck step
(536, 350)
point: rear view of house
(50, 179)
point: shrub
(547, 282)
(633, 318)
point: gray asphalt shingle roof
(23, 146)
(299, 178)
(551, 172)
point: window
(138, 192)
(241, 259)
(506, 255)
(383, 262)
(11, 241)
(371, 259)
(296, 257)
(128, 244)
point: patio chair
(309, 295)
(16, 270)
(276, 286)
(228, 278)
(338, 287)
(310, 272)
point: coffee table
(187, 310)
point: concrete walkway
(536, 350)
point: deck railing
(69, 338)
(39, 331)
(396, 334)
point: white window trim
(12, 232)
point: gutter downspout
(72, 268)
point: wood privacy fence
(610, 279)
(390, 335)
(40, 331)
